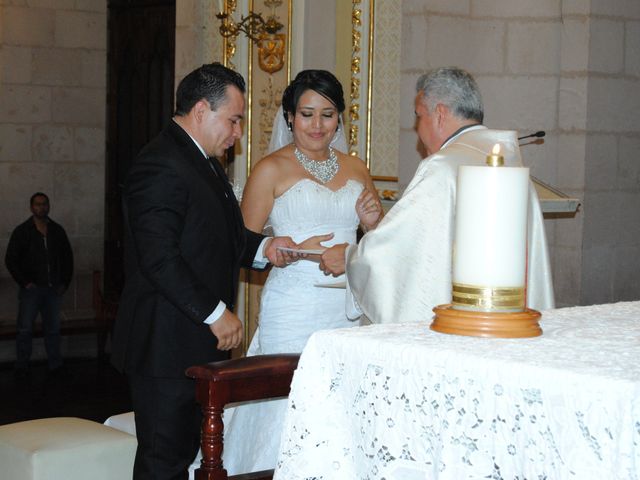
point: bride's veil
(281, 135)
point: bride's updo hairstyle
(321, 82)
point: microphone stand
(538, 134)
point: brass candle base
(486, 324)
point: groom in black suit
(184, 245)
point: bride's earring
(290, 126)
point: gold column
(361, 73)
(229, 43)
(372, 9)
(264, 93)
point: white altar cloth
(399, 401)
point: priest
(401, 270)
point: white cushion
(65, 449)
(124, 422)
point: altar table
(399, 401)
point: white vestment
(401, 270)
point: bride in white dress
(318, 195)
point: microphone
(539, 134)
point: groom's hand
(228, 330)
(278, 257)
(333, 259)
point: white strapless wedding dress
(292, 307)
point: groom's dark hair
(209, 82)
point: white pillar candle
(490, 238)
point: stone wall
(52, 129)
(569, 67)
(610, 256)
(197, 38)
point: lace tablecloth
(403, 402)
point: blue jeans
(46, 301)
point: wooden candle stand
(486, 324)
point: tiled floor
(87, 388)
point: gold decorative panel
(385, 92)
(372, 74)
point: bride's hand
(314, 243)
(369, 209)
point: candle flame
(496, 149)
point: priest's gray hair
(455, 88)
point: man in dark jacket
(40, 260)
(185, 242)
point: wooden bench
(100, 323)
(230, 381)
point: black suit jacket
(184, 244)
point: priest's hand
(333, 259)
(278, 257)
(369, 209)
(228, 330)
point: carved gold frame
(357, 72)
(357, 75)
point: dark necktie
(231, 204)
(222, 177)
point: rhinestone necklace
(324, 170)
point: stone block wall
(513, 50)
(569, 67)
(197, 38)
(52, 129)
(611, 231)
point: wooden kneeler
(239, 380)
